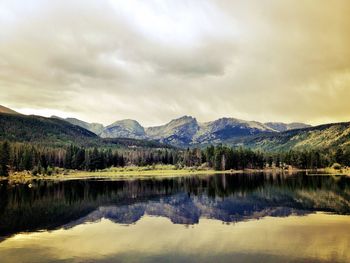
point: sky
(153, 61)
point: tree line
(41, 159)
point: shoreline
(143, 173)
(119, 174)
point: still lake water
(214, 218)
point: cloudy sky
(101, 61)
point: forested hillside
(39, 144)
(4, 109)
(37, 129)
(323, 137)
(54, 132)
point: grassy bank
(157, 171)
(130, 172)
(332, 170)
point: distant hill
(281, 127)
(39, 129)
(124, 129)
(328, 136)
(226, 128)
(96, 128)
(178, 132)
(58, 132)
(4, 109)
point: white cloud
(156, 60)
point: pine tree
(69, 157)
(339, 154)
(4, 158)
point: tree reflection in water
(48, 205)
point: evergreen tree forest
(43, 160)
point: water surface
(223, 218)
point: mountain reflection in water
(48, 205)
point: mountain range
(182, 132)
(186, 130)
(58, 132)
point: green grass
(155, 171)
(331, 170)
(141, 172)
(129, 172)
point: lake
(215, 218)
